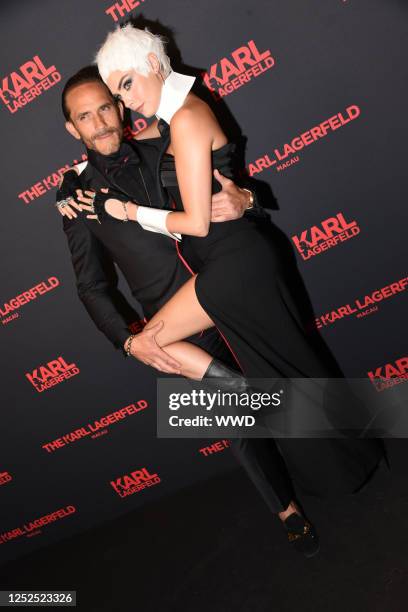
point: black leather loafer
(302, 535)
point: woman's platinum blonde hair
(127, 47)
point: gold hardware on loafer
(295, 536)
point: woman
(256, 312)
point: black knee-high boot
(226, 379)
(233, 380)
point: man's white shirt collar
(174, 92)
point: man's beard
(105, 132)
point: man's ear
(72, 130)
(153, 61)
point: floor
(215, 547)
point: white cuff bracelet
(154, 220)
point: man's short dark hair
(89, 74)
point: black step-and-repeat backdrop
(319, 88)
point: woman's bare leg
(193, 360)
(182, 316)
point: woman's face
(139, 93)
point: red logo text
(216, 447)
(288, 151)
(231, 73)
(27, 83)
(24, 298)
(54, 372)
(47, 183)
(363, 306)
(5, 477)
(139, 125)
(134, 482)
(34, 527)
(330, 233)
(390, 374)
(120, 9)
(95, 428)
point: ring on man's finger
(63, 203)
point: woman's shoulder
(193, 110)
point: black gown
(242, 285)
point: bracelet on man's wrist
(128, 345)
(251, 198)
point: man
(151, 266)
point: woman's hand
(86, 199)
(100, 205)
(121, 210)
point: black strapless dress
(242, 285)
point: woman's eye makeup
(127, 84)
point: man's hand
(66, 208)
(230, 203)
(65, 201)
(145, 348)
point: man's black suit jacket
(148, 261)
